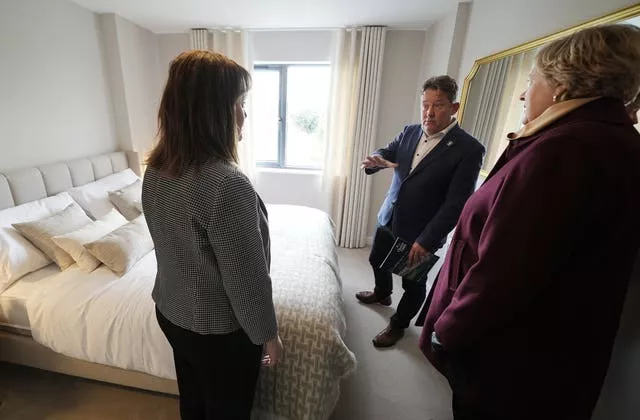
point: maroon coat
(528, 300)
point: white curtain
(234, 44)
(484, 122)
(357, 71)
(199, 39)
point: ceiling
(167, 16)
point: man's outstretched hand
(377, 161)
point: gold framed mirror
(489, 101)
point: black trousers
(456, 373)
(414, 292)
(462, 411)
(217, 374)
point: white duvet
(110, 320)
(103, 318)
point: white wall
(463, 13)
(443, 47)
(133, 65)
(139, 60)
(116, 80)
(54, 95)
(496, 25)
(399, 89)
(169, 47)
(440, 42)
(297, 187)
(284, 46)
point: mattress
(13, 300)
(106, 319)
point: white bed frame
(25, 185)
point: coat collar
(548, 117)
(591, 109)
(603, 109)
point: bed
(101, 326)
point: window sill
(288, 171)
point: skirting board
(22, 350)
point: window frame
(283, 70)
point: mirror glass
(490, 103)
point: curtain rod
(348, 28)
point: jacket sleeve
(235, 235)
(389, 152)
(539, 211)
(461, 187)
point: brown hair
(197, 117)
(599, 61)
(444, 83)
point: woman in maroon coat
(525, 310)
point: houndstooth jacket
(211, 239)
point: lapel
(446, 143)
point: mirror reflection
(492, 107)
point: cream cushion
(94, 197)
(128, 200)
(18, 256)
(123, 247)
(41, 232)
(73, 242)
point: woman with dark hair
(213, 290)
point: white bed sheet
(13, 300)
(103, 318)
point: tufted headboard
(29, 184)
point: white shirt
(428, 143)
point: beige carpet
(389, 384)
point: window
(290, 103)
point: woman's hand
(272, 352)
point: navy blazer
(424, 205)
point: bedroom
(76, 83)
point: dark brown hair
(444, 83)
(197, 118)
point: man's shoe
(371, 297)
(388, 337)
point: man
(436, 165)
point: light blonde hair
(599, 61)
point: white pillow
(122, 248)
(94, 197)
(18, 256)
(128, 200)
(73, 243)
(41, 232)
